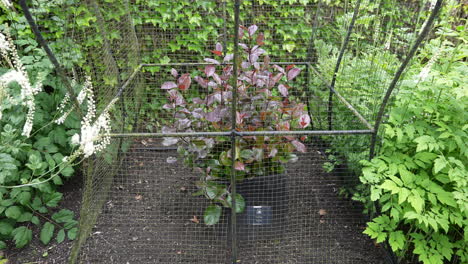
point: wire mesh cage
(239, 126)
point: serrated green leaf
(71, 234)
(60, 236)
(402, 195)
(417, 202)
(25, 217)
(35, 220)
(52, 199)
(24, 198)
(391, 186)
(396, 240)
(47, 232)
(240, 203)
(439, 164)
(5, 228)
(63, 216)
(212, 214)
(22, 236)
(13, 212)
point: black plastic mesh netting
(138, 201)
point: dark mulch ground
(36, 252)
(150, 216)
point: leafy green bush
(420, 176)
(30, 156)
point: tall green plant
(420, 176)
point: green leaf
(52, 199)
(25, 217)
(417, 202)
(67, 171)
(35, 220)
(439, 164)
(396, 240)
(240, 203)
(72, 233)
(47, 232)
(60, 236)
(13, 212)
(446, 198)
(405, 175)
(22, 236)
(391, 186)
(212, 214)
(5, 228)
(3, 245)
(24, 198)
(63, 216)
(402, 195)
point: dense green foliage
(419, 177)
(34, 159)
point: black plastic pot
(266, 210)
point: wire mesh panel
(239, 126)
(151, 216)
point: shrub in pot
(264, 104)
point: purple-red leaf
(168, 106)
(277, 78)
(219, 47)
(273, 153)
(293, 73)
(202, 82)
(283, 90)
(279, 68)
(260, 39)
(168, 85)
(216, 52)
(252, 29)
(174, 73)
(217, 78)
(241, 32)
(239, 166)
(243, 46)
(209, 70)
(299, 146)
(212, 61)
(184, 82)
(304, 120)
(228, 57)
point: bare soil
(151, 216)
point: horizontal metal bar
(246, 133)
(343, 100)
(207, 63)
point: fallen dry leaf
(322, 212)
(144, 143)
(195, 220)
(138, 197)
(322, 221)
(183, 189)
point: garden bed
(151, 216)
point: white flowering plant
(42, 139)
